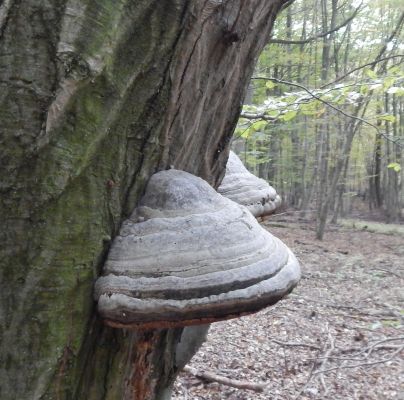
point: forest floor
(338, 335)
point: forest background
(323, 119)
(323, 123)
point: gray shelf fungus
(188, 256)
(241, 186)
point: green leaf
(371, 74)
(388, 82)
(387, 117)
(395, 166)
(247, 133)
(309, 108)
(259, 125)
(364, 90)
(308, 112)
(340, 99)
(289, 99)
(394, 69)
(270, 84)
(250, 108)
(288, 116)
(272, 113)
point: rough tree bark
(95, 96)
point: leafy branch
(292, 113)
(372, 63)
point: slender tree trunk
(94, 98)
(341, 187)
(322, 207)
(392, 185)
(304, 162)
(376, 190)
(323, 194)
(312, 186)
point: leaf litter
(338, 336)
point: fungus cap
(187, 256)
(241, 186)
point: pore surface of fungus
(241, 186)
(188, 255)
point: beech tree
(95, 97)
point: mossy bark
(95, 96)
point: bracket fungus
(188, 256)
(241, 186)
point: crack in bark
(190, 57)
(5, 9)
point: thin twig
(388, 271)
(340, 78)
(326, 358)
(365, 364)
(310, 376)
(294, 344)
(301, 391)
(353, 358)
(212, 377)
(372, 347)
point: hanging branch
(364, 364)
(379, 58)
(393, 34)
(213, 377)
(354, 117)
(340, 78)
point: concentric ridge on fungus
(188, 255)
(241, 186)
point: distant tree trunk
(322, 205)
(392, 190)
(375, 180)
(304, 162)
(341, 186)
(312, 186)
(273, 167)
(323, 181)
(95, 97)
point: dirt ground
(339, 335)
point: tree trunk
(392, 192)
(341, 187)
(94, 98)
(376, 189)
